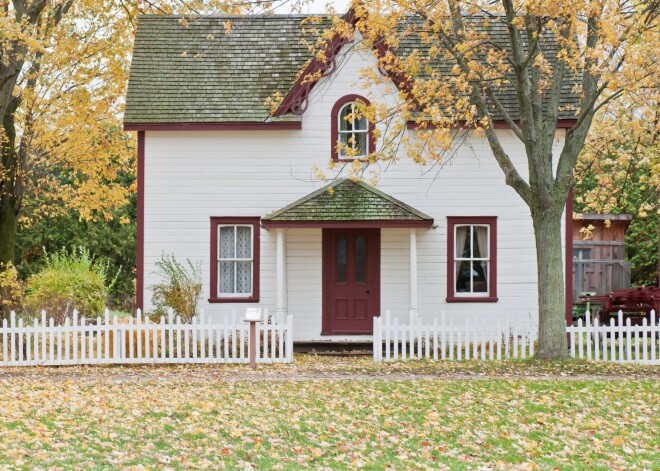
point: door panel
(351, 280)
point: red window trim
(215, 221)
(452, 221)
(334, 127)
(139, 260)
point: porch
(339, 248)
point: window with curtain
(471, 259)
(235, 260)
(472, 256)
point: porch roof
(347, 203)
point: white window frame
(220, 294)
(354, 131)
(458, 260)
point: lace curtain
(481, 239)
(461, 237)
(235, 260)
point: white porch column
(413, 272)
(281, 272)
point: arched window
(352, 134)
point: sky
(317, 6)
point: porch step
(343, 353)
(334, 349)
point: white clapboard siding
(447, 340)
(252, 173)
(138, 340)
(619, 341)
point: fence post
(289, 338)
(388, 335)
(117, 339)
(4, 342)
(654, 330)
(587, 322)
(375, 339)
(621, 334)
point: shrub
(12, 290)
(181, 289)
(69, 281)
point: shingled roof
(193, 72)
(344, 201)
(497, 33)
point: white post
(413, 273)
(281, 273)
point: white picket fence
(618, 342)
(449, 340)
(446, 340)
(138, 340)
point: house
(224, 181)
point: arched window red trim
(334, 126)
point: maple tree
(608, 49)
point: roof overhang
(352, 224)
(347, 204)
(497, 124)
(229, 126)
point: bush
(12, 290)
(112, 241)
(69, 281)
(181, 289)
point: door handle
(368, 291)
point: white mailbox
(253, 314)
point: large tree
(606, 48)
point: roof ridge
(250, 16)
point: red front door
(351, 280)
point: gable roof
(193, 72)
(345, 200)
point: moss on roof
(346, 200)
(193, 72)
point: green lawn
(183, 417)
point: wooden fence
(447, 340)
(81, 341)
(619, 341)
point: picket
(105, 340)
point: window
(472, 257)
(353, 131)
(351, 134)
(234, 259)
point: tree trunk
(7, 228)
(8, 175)
(552, 323)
